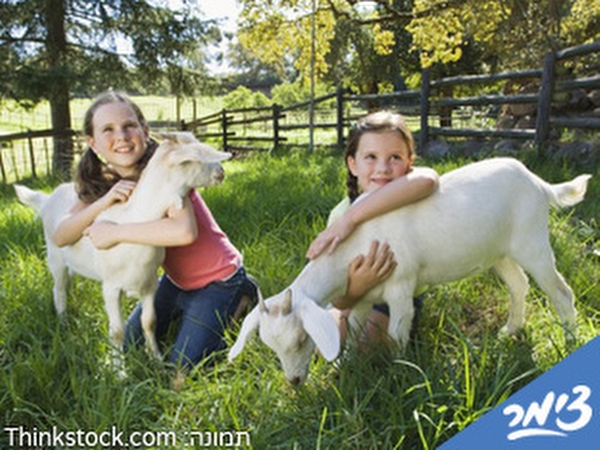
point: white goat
(492, 213)
(179, 164)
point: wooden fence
(247, 128)
(433, 112)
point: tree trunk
(58, 92)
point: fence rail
(267, 128)
(434, 100)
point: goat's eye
(302, 339)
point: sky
(226, 11)
(219, 9)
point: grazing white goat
(179, 164)
(492, 213)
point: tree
(356, 47)
(277, 32)
(518, 33)
(369, 55)
(367, 47)
(249, 71)
(52, 48)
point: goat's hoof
(178, 381)
(511, 330)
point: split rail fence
(434, 111)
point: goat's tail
(31, 198)
(569, 193)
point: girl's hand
(331, 237)
(82, 215)
(366, 272)
(103, 234)
(119, 193)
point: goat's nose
(295, 381)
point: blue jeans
(204, 314)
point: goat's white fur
(179, 164)
(490, 214)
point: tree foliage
(517, 33)
(52, 48)
(278, 33)
(127, 44)
(373, 46)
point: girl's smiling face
(119, 138)
(381, 156)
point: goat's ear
(210, 154)
(175, 137)
(195, 152)
(164, 136)
(322, 328)
(249, 325)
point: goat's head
(291, 329)
(190, 161)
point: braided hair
(376, 122)
(93, 177)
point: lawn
(54, 373)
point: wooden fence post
(31, 153)
(423, 135)
(339, 96)
(542, 124)
(224, 128)
(2, 163)
(276, 114)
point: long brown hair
(93, 177)
(375, 122)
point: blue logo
(559, 410)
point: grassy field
(54, 373)
(14, 119)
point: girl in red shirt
(204, 282)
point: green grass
(55, 372)
(14, 119)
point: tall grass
(55, 372)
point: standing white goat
(180, 163)
(492, 213)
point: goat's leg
(518, 285)
(399, 297)
(149, 323)
(60, 276)
(116, 324)
(541, 265)
(402, 311)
